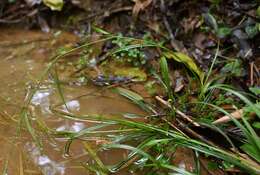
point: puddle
(24, 56)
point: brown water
(23, 57)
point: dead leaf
(183, 58)
(140, 5)
(237, 115)
(178, 81)
(189, 24)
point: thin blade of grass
(250, 134)
(5, 168)
(182, 140)
(30, 128)
(166, 77)
(249, 131)
(59, 88)
(92, 153)
(135, 98)
(21, 169)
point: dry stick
(174, 43)
(21, 168)
(7, 116)
(167, 26)
(10, 11)
(252, 73)
(13, 21)
(186, 117)
(182, 125)
(256, 69)
(15, 44)
(257, 74)
(173, 126)
(107, 13)
(195, 134)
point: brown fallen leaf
(237, 115)
(140, 5)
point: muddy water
(23, 57)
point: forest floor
(130, 87)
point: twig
(252, 73)
(30, 14)
(15, 44)
(182, 125)
(257, 74)
(174, 43)
(168, 28)
(173, 126)
(195, 134)
(107, 13)
(183, 115)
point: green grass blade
(135, 98)
(166, 77)
(92, 153)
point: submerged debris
(102, 80)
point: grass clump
(151, 146)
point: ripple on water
(47, 166)
(41, 98)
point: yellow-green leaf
(135, 73)
(54, 4)
(185, 59)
